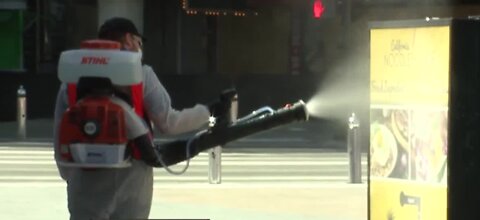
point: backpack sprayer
(93, 129)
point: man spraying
(104, 193)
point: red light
(318, 8)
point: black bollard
(354, 149)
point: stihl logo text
(95, 60)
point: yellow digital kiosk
(424, 157)
(409, 80)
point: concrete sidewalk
(216, 202)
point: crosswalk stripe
(204, 185)
(185, 178)
(194, 169)
(27, 162)
(30, 178)
(24, 157)
(224, 158)
(29, 169)
(35, 166)
(195, 178)
(33, 184)
(224, 163)
(26, 152)
(46, 150)
(35, 151)
(202, 156)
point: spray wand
(221, 133)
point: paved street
(256, 184)
(34, 165)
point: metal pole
(347, 23)
(215, 154)
(354, 149)
(21, 112)
(179, 41)
(37, 36)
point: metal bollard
(354, 149)
(215, 165)
(215, 154)
(21, 112)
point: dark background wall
(253, 52)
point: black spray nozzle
(297, 110)
(288, 114)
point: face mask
(141, 53)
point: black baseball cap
(118, 25)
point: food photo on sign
(429, 145)
(389, 151)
